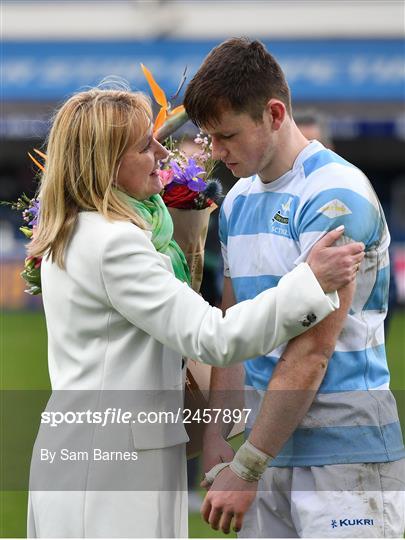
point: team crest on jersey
(334, 209)
(281, 218)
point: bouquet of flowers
(29, 209)
(190, 193)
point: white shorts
(361, 500)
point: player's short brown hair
(240, 75)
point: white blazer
(119, 320)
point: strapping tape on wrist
(249, 463)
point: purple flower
(189, 176)
(33, 213)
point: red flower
(179, 196)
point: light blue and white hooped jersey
(267, 229)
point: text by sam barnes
(96, 454)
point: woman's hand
(335, 266)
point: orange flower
(37, 163)
(160, 98)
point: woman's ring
(357, 267)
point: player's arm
(296, 379)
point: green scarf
(154, 212)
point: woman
(119, 320)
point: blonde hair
(89, 135)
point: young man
(324, 454)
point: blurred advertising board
(335, 69)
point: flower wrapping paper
(190, 232)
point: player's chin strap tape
(249, 463)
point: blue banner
(330, 70)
